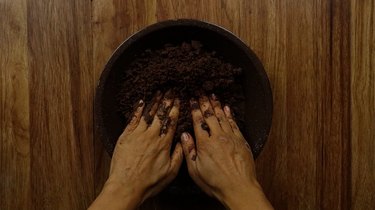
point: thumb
(190, 151)
(190, 155)
(175, 164)
(176, 159)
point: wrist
(117, 196)
(246, 196)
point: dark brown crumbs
(165, 125)
(194, 105)
(190, 71)
(205, 126)
(208, 113)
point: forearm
(114, 197)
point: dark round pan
(258, 102)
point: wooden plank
(305, 61)
(264, 30)
(292, 39)
(291, 52)
(363, 104)
(61, 88)
(114, 21)
(335, 171)
(320, 154)
(14, 107)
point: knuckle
(230, 117)
(194, 105)
(173, 122)
(220, 119)
(218, 109)
(133, 120)
(196, 112)
(165, 146)
(176, 103)
(208, 113)
(165, 124)
(151, 133)
(174, 112)
(198, 119)
(219, 113)
(216, 104)
(131, 128)
(223, 138)
(204, 126)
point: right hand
(221, 162)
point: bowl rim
(99, 130)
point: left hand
(141, 164)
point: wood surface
(319, 56)
(362, 104)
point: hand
(141, 164)
(221, 161)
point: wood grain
(272, 51)
(335, 148)
(319, 56)
(14, 107)
(61, 86)
(363, 104)
(113, 22)
(305, 59)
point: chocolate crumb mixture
(188, 70)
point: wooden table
(319, 55)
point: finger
(190, 153)
(233, 124)
(149, 112)
(208, 114)
(189, 149)
(135, 118)
(219, 113)
(169, 126)
(176, 160)
(175, 165)
(161, 117)
(200, 126)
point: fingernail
(194, 104)
(227, 109)
(213, 97)
(203, 99)
(169, 94)
(176, 102)
(185, 137)
(158, 93)
(140, 103)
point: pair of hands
(220, 161)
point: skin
(219, 161)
